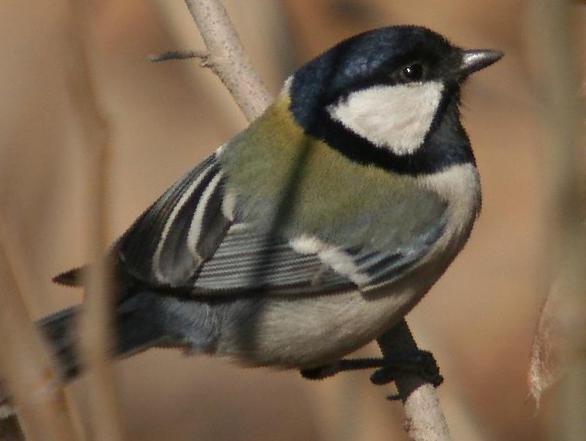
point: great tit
(317, 228)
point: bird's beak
(476, 59)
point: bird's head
(387, 88)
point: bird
(314, 230)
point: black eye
(412, 72)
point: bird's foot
(421, 363)
(329, 370)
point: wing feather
(247, 261)
(187, 240)
(170, 241)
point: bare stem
(95, 326)
(229, 62)
(227, 58)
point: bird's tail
(60, 331)
(135, 331)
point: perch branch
(227, 59)
(424, 419)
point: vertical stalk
(96, 321)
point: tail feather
(136, 329)
(60, 331)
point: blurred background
(478, 320)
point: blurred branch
(227, 59)
(559, 346)
(26, 367)
(96, 322)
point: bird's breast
(307, 331)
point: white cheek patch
(392, 117)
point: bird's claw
(321, 372)
(420, 363)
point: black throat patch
(446, 143)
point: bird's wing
(250, 261)
(167, 245)
(186, 240)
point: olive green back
(295, 184)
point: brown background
(478, 319)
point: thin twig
(27, 368)
(228, 60)
(96, 322)
(179, 55)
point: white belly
(314, 330)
